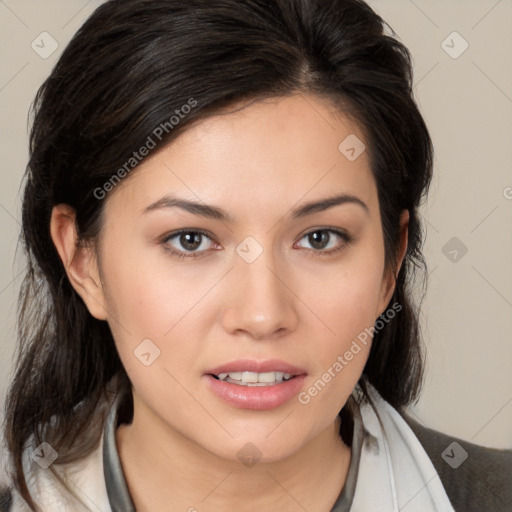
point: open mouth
(253, 378)
(256, 385)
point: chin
(257, 446)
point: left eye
(189, 241)
(325, 239)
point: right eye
(187, 243)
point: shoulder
(5, 499)
(5, 482)
(475, 478)
(60, 488)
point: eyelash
(347, 239)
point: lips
(257, 385)
(249, 365)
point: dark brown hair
(127, 70)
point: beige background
(467, 103)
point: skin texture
(292, 303)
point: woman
(221, 222)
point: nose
(260, 303)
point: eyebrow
(213, 212)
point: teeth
(254, 379)
(250, 377)
(266, 377)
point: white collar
(395, 473)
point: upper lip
(249, 365)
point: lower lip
(256, 397)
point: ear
(80, 262)
(389, 279)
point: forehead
(269, 153)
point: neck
(165, 470)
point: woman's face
(269, 277)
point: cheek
(150, 299)
(346, 300)
(142, 293)
(345, 297)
